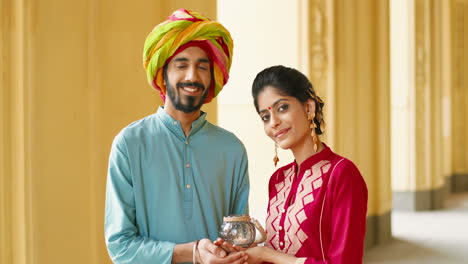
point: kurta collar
(310, 161)
(175, 126)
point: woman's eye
(283, 108)
(265, 118)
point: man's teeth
(192, 90)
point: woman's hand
(228, 247)
(256, 254)
(266, 254)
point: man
(173, 175)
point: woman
(317, 203)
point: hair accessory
(311, 118)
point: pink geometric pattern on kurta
(277, 204)
(311, 181)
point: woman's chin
(284, 144)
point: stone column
(459, 95)
(361, 104)
(71, 78)
(419, 104)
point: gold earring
(275, 158)
(311, 118)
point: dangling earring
(311, 118)
(275, 158)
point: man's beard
(191, 104)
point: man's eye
(265, 118)
(283, 108)
(204, 68)
(181, 66)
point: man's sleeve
(124, 243)
(241, 202)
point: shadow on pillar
(426, 200)
(378, 230)
(423, 200)
(458, 183)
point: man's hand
(212, 254)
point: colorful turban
(183, 29)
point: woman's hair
(289, 82)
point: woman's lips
(282, 132)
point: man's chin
(187, 104)
(188, 111)
(188, 108)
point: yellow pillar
(459, 65)
(444, 66)
(420, 104)
(360, 104)
(71, 78)
(348, 64)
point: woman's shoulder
(344, 172)
(342, 165)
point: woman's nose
(275, 121)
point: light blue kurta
(164, 188)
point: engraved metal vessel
(241, 230)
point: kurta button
(280, 228)
(175, 122)
(186, 142)
(188, 186)
(187, 165)
(281, 243)
(282, 210)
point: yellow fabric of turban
(181, 29)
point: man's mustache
(192, 84)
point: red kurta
(318, 214)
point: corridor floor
(427, 237)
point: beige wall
(271, 40)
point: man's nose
(192, 74)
